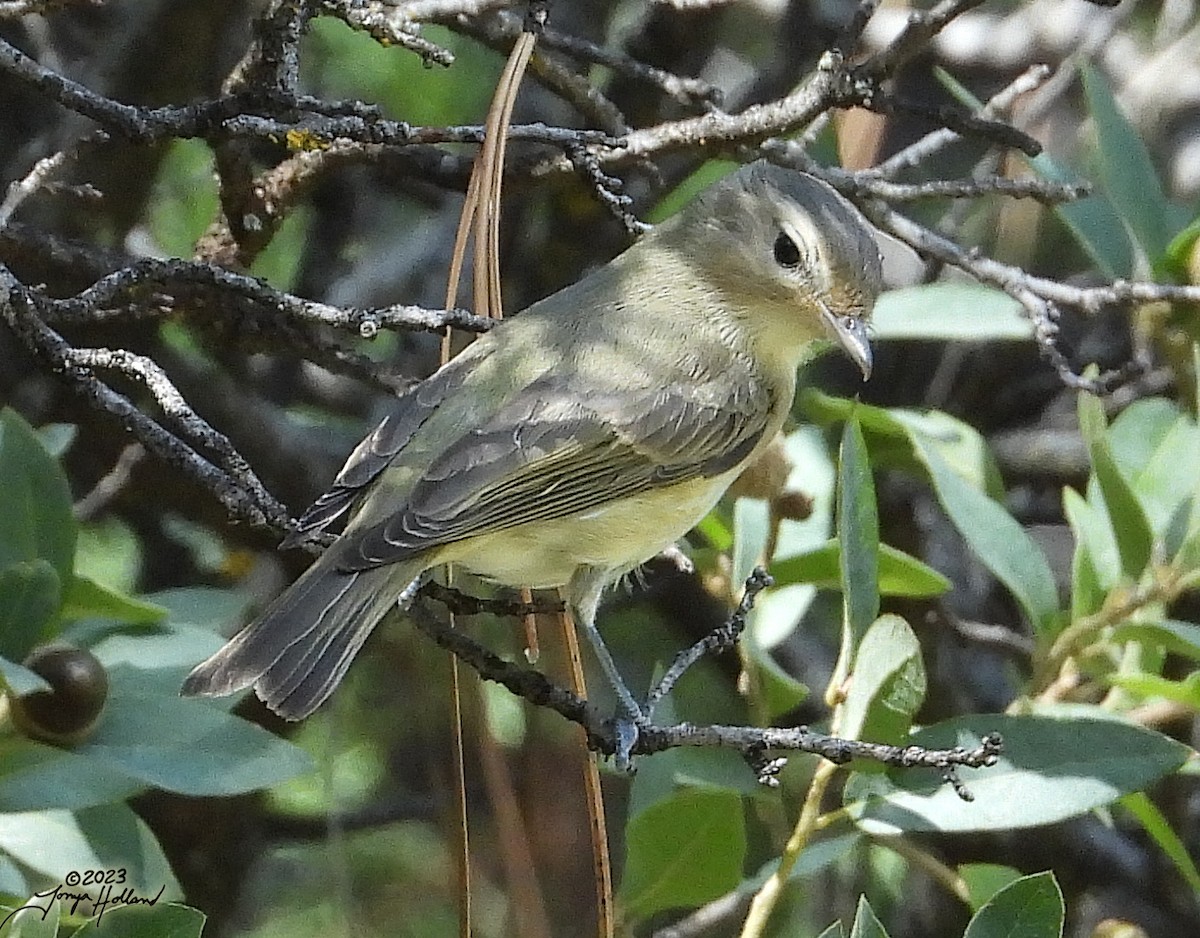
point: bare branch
(933, 143)
(149, 279)
(392, 25)
(541, 691)
(233, 483)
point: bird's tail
(298, 650)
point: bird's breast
(617, 536)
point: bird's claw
(627, 728)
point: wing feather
(546, 455)
(377, 449)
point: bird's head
(790, 256)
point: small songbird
(580, 437)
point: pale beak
(851, 334)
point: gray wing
(377, 449)
(545, 456)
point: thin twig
(723, 637)
(110, 485)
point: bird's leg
(629, 716)
(584, 591)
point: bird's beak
(851, 334)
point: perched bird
(582, 436)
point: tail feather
(299, 649)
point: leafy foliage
(62, 809)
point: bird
(580, 437)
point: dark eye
(786, 252)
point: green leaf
(751, 531)
(779, 610)
(1096, 566)
(888, 686)
(30, 595)
(38, 918)
(1126, 170)
(893, 434)
(35, 776)
(1031, 907)
(109, 551)
(1150, 440)
(814, 858)
(833, 931)
(858, 533)
(189, 747)
(1181, 638)
(780, 691)
(963, 312)
(866, 925)
(145, 661)
(715, 531)
(899, 573)
(984, 880)
(19, 679)
(1185, 691)
(86, 599)
(162, 920)
(13, 881)
(183, 200)
(1130, 527)
(996, 538)
(57, 437)
(106, 837)
(1087, 594)
(340, 63)
(1092, 221)
(1053, 767)
(1174, 263)
(35, 501)
(1139, 431)
(1159, 828)
(278, 262)
(205, 606)
(660, 780)
(705, 175)
(683, 852)
(961, 469)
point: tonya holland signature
(111, 894)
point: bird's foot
(627, 723)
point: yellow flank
(618, 536)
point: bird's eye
(786, 252)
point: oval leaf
(34, 777)
(889, 683)
(858, 533)
(1128, 520)
(189, 747)
(683, 851)
(30, 594)
(963, 312)
(105, 837)
(900, 574)
(86, 598)
(35, 501)
(999, 542)
(162, 920)
(1031, 907)
(1053, 767)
